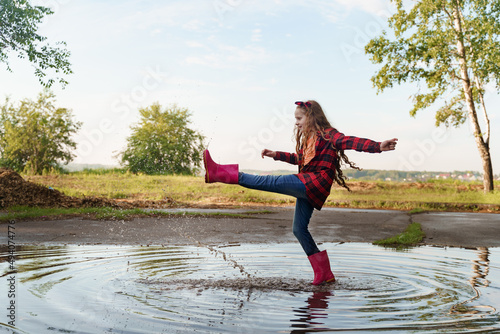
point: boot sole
(206, 169)
(331, 280)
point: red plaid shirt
(318, 174)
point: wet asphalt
(449, 229)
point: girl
(319, 154)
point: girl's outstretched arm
(291, 158)
(342, 142)
(388, 145)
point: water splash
(213, 250)
(250, 283)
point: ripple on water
(253, 288)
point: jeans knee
(298, 232)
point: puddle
(252, 288)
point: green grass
(24, 212)
(412, 236)
(118, 184)
(416, 210)
(445, 191)
(180, 188)
(105, 213)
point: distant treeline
(352, 174)
(75, 167)
(394, 175)
(412, 176)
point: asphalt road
(468, 230)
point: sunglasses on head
(303, 104)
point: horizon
(103, 166)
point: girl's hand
(268, 153)
(388, 145)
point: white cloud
(333, 10)
(371, 6)
(194, 25)
(184, 81)
(156, 32)
(226, 56)
(256, 35)
(190, 15)
(337, 10)
(194, 44)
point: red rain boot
(321, 267)
(219, 173)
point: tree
(453, 47)
(18, 33)
(36, 136)
(163, 143)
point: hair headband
(303, 104)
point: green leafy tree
(453, 48)
(35, 136)
(163, 143)
(18, 34)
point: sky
(239, 66)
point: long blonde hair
(316, 121)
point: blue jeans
(292, 186)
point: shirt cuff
(279, 156)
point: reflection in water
(253, 289)
(481, 268)
(311, 315)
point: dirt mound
(14, 190)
